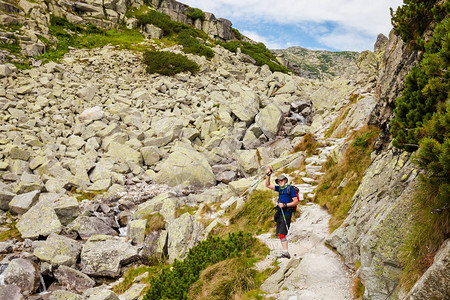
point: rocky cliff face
(33, 19)
(381, 213)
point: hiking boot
(284, 255)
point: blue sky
(334, 25)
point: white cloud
(268, 41)
(356, 22)
(371, 17)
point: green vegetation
(429, 230)
(12, 232)
(332, 193)
(131, 274)
(86, 36)
(155, 222)
(182, 34)
(256, 216)
(422, 122)
(13, 47)
(174, 282)
(258, 52)
(237, 34)
(308, 144)
(168, 63)
(195, 13)
(357, 289)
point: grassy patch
(308, 144)
(341, 180)
(12, 232)
(131, 274)
(185, 209)
(357, 289)
(255, 217)
(225, 280)
(155, 222)
(13, 48)
(168, 63)
(430, 229)
(86, 36)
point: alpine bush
(174, 282)
(258, 52)
(168, 63)
(195, 13)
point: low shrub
(258, 52)
(168, 63)
(195, 13)
(174, 282)
(189, 40)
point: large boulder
(73, 279)
(155, 246)
(245, 106)
(87, 226)
(20, 204)
(269, 120)
(100, 293)
(248, 161)
(58, 250)
(10, 292)
(164, 203)
(65, 295)
(66, 208)
(104, 255)
(187, 167)
(184, 233)
(122, 152)
(136, 231)
(23, 273)
(40, 220)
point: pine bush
(168, 63)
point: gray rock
(73, 279)
(155, 246)
(5, 71)
(66, 208)
(5, 196)
(136, 231)
(5, 247)
(269, 120)
(133, 292)
(65, 295)
(185, 166)
(40, 220)
(20, 204)
(151, 155)
(24, 274)
(88, 226)
(17, 152)
(104, 255)
(153, 31)
(100, 293)
(59, 250)
(184, 233)
(10, 292)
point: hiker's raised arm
(268, 173)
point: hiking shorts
(281, 226)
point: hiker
(287, 200)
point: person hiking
(287, 200)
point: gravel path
(314, 271)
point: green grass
(88, 36)
(355, 161)
(430, 229)
(255, 217)
(13, 48)
(131, 274)
(12, 232)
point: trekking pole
(253, 185)
(285, 223)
